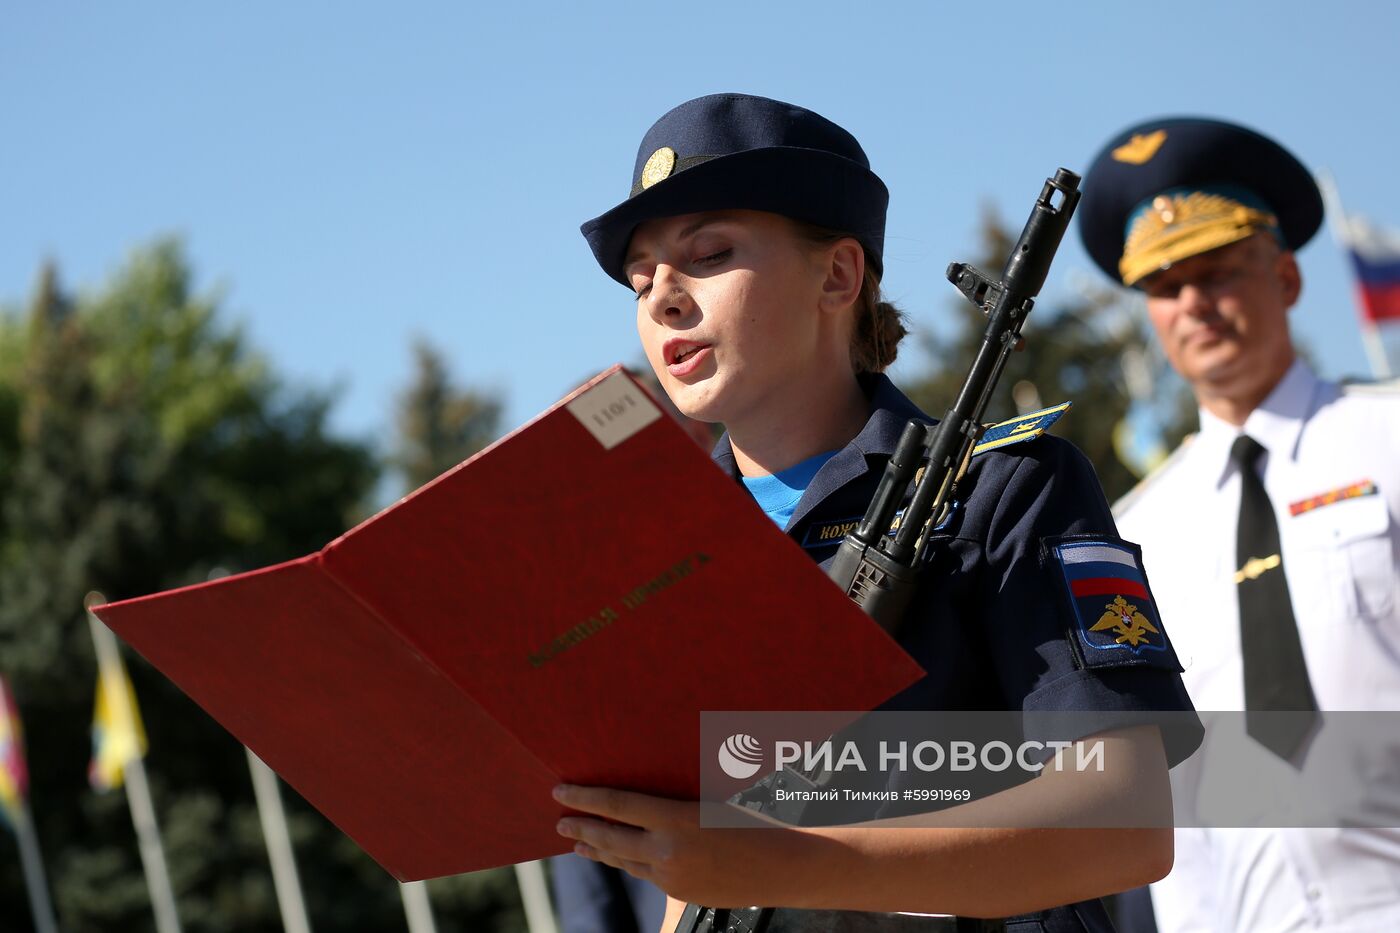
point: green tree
(439, 424)
(143, 444)
(1091, 349)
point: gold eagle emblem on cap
(1141, 148)
(659, 165)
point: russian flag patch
(1115, 617)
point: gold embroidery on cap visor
(1140, 149)
(1178, 226)
(658, 166)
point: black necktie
(1275, 673)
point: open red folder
(559, 608)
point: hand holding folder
(558, 608)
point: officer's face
(1222, 316)
(727, 309)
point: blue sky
(353, 175)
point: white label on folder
(614, 410)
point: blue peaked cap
(1201, 153)
(736, 151)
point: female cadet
(753, 239)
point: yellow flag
(117, 733)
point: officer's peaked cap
(1200, 164)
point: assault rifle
(879, 571)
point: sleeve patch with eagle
(1115, 617)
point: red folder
(558, 608)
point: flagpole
(35, 882)
(138, 791)
(14, 810)
(534, 894)
(1375, 351)
(417, 909)
(1340, 225)
(279, 846)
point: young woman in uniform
(752, 240)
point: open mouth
(677, 350)
(683, 356)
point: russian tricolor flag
(1375, 255)
(1102, 570)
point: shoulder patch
(1114, 619)
(1021, 428)
(1126, 501)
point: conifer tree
(440, 424)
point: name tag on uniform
(822, 534)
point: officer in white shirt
(1272, 536)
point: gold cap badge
(659, 166)
(1140, 149)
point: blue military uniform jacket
(998, 625)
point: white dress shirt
(1340, 561)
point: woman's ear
(844, 274)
